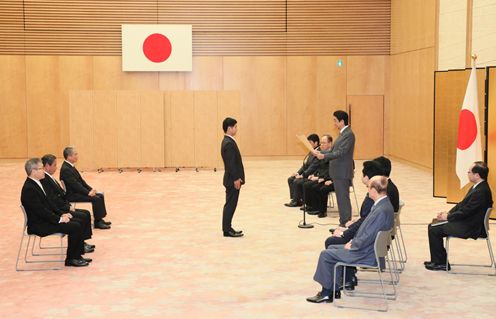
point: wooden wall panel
(316, 87)
(452, 34)
(206, 127)
(483, 35)
(152, 129)
(105, 128)
(410, 118)
(108, 75)
(367, 117)
(365, 75)
(263, 113)
(74, 73)
(180, 128)
(207, 74)
(44, 109)
(413, 25)
(81, 129)
(13, 119)
(235, 27)
(229, 106)
(128, 129)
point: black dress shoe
(292, 203)
(88, 260)
(76, 263)
(322, 215)
(89, 245)
(107, 222)
(437, 267)
(428, 263)
(332, 230)
(319, 298)
(232, 234)
(237, 231)
(313, 212)
(101, 225)
(88, 249)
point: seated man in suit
(56, 196)
(314, 188)
(296, 178)
(361, 248)
(79, 191)
(43, 219)
(464, 220)
(392, 190)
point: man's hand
(318, 154)
(294, 174)
(64, 219)
(72, 209)
(298, 176)
(313, 178)
(328, 183)
(237, 183)
(350, 222)
(92, 193)
(338, 232)
(67, 215)
(320, 180)
(442, 216)
(348, 245)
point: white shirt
(39, 184)
(473, 187)
(231, 137)
(344, 128)
(377, 201)
(69, 163)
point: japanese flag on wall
(157, 47)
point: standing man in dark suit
(79, 191)
(341, 165)
(43, 220)
(56, 196)
(234, 175)
(464, 220)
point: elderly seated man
(465, 220)
(361, 248)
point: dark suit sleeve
(303, 166)
(230, 153)
(344, 147)
(471, 207)
(312, 167)
(32, 202)
(72, 182)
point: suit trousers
(342, 189)
(83, 217)
(74, 230)
(232, 196)
(308, 196)
(291, 179)
(335, 241)
(317, 194)
(324, 274)
(436, 244)
(97, 203)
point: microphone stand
(304, 225)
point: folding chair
(489, 248)
(382, 241)
(31, 256)
(404, 256)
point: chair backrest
(381, 242)
(486, 220)
(25, 227)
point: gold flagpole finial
(474, 56)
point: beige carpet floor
(165, 256)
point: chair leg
(491, 254)
(400, 233)
(19, 252)
(447, 254)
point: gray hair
(31, 164)
(68, 151)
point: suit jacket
(55, 194)
(394, 195)
(341, 165)
(322, 170)
(311, 166)
(38, 209)
(381, 217)
(466, 219)
(364, 212)
(233, 164)
(73, 181)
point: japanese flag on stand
(157, 47)
(469, 147)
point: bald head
(377, 187)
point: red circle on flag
(467, 129)
(157, 48)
